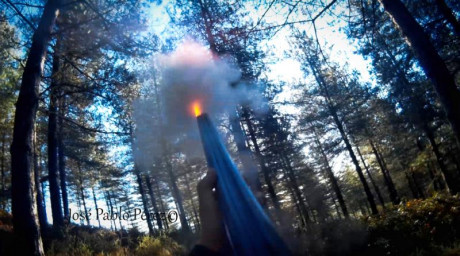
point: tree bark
(374, 184)
(41, 207)
(263, 166)
(331, 177)
(95, 205)
(3, 192)
(61, 157)
(194, 208)
(144, 199)
(177, 196)
(24, 213)
(250, 170)
(452, 184)
(333, 113)
(295, 188)
(162, 206)
(55, 193)
(154, 201)
(433, 65)
(82, 192)
(386, 175)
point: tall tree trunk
(41, 208)
(374, 184)
(55, 193)
(295, 188)
(452, 184)
(154, 201)
(194, 208)
(386, 175)
(411, 185)
(449, 16)
(250, 170)
(333, 113)
(177, 196)
(417, 185)
(109, 200)
(61, 156)
(2, 192)
(95, 205)
(303, 219)
(433, 65)
(331, 177)
(82, 192)
(265, 170)
(23, 200)
(162, 206)
(144, 199)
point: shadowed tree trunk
(331, 177)
(95, 205)
(374, 184)
(55, 193)
(177, 196)
(82, 192)
(453, 186)
(24, 217)
(194, 208)
(333, 113)
(61, 157)
(144, 199)
(386, 175)
(2, 193)
(41, 207)
(295, 188)
(265, 170)
(154, 201)
(162, 206)
(433, 65)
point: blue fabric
(249, 229)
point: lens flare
(196, 108)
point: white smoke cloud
(189, 75)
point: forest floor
(417, 227)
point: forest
(339, 121)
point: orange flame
(197, 108)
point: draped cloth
(248, 228)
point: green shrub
(159, 246)
(417, 227)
